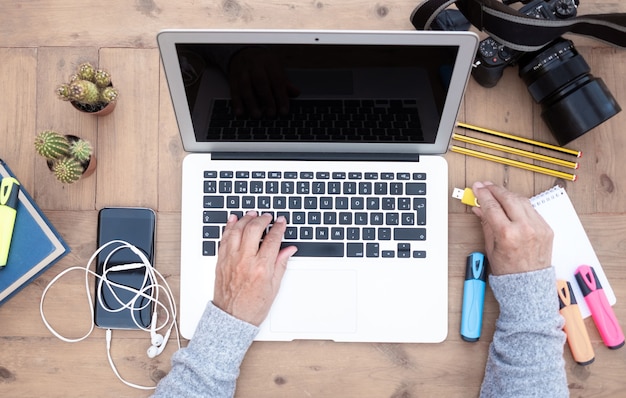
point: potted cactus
(69, 157)
(89, 90)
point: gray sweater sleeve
(526, 355)
(209, 365)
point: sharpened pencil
(514, 163)
(520, 139)
(515, 151)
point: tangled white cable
(150, 285)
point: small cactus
(52, 145)
(102, 78)
(85, 91)
(86, 71)
(63, 92)
(81, 150)
(67, 170)
(109, 94)
(89, 89)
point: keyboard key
(210, 186)
(211, 232)
(213, 202)
(317, 249)
(355, 250)
(415, 188)
(210, 174)
(389, 254)
(208, 248)
(215, 217)
(419, 254)
(321, 233)
(419, 205)
(409, 234)
(337, 233)
(372, 250)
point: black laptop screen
(316, 92)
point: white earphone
(151, 284)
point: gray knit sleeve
(209, 365)
(526, 355)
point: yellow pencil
(520, 139)
(515, 151)
(514, 163)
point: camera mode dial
(565, 8)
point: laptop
(342, 133)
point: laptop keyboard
(364, 120)
(329, 214)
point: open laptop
(340, 132)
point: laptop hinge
(334, 156)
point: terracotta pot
(89, 166)
(94, 109)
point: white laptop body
(391, 290)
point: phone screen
(137, 227)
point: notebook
(341, 132)
(35, 245)
(571, 247)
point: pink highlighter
(601, 310)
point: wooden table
(139, 154)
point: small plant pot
(101, 109)
(89, 166)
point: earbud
(156, 349)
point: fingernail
(280, 219)
(251, 213)
(232, 218)
(479, 184)
(488, 183)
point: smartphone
(135, 225)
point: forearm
(526, 355)
(209, 365)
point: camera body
(492, 57)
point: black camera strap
(522, 32)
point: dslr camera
(572, 100)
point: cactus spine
(52, 145)
(67, 170)
(81, 150)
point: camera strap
(521, 32)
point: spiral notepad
(572, 247)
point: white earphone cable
(150, 284)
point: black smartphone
(135, 225)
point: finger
(281, 263)
(490, 210)
(233, 232)
(515, 206)
(271, 243)
(252, 234)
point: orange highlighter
(577, 336)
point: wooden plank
(610, 141)
(18, 69)
(171, 152)
(56, 64)
(128, 138)
(508, 108)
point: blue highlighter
(473, 296)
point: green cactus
(81, 150)
(102, 78)
(85, 92)
(52, 145)
(86, 71)
(67, 170)
(63, 92)
(109, 94)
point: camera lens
(572, 100)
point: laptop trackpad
(316, 301)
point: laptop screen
(315, 92)
(391, 93)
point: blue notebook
(35, 246)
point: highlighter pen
(601, 311)
(9, 189)
(577, 336)
(473, 296)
